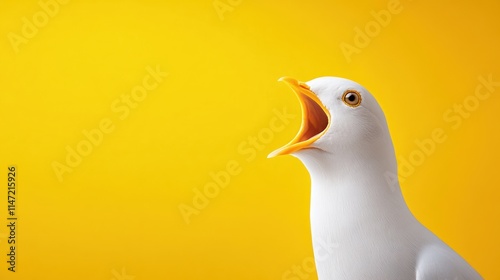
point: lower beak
(315, 119)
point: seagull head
(340, 119)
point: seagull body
(344, 143)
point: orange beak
(315, 119)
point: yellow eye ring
(351, 98)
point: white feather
(354, 207)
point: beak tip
(273, 154)
(291, 81)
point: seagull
(345, 144)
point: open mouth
(315, 119)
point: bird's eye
(351, 98)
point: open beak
(315, 119)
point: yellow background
(118, 213)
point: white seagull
(344, 143)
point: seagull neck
(352, 179)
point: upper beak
(315, 118)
